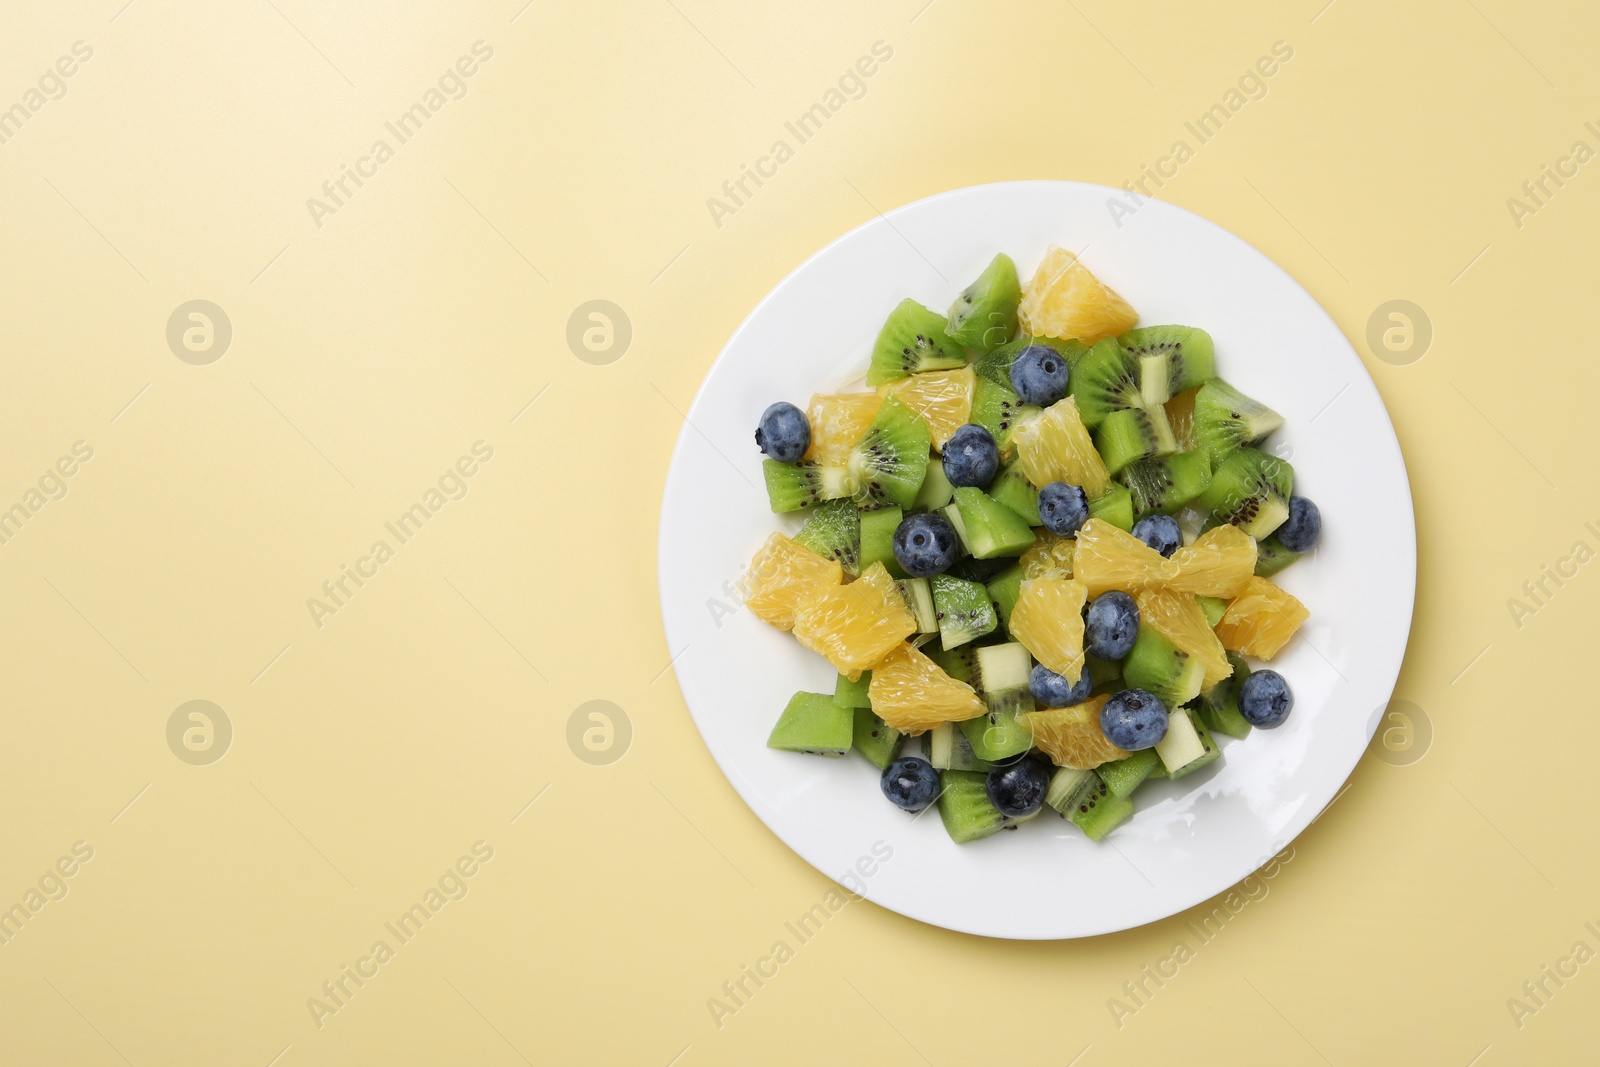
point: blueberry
(1064, 507)
(1019, 789)
(1300, 531)
(784, 433)
(1265, 700)
(926, 544)
(1039, 375)
(1134, 720)
(910, 783)
(1054, 691)
(1160, 532)
(1111, 626)
(971, 458)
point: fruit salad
(1038, 549)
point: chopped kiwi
(1003, 672)
(1159, 667)
(912, 340)
(965, 808)
(1065, 784)
(1225, 419)
(1125, 775)
(1004, 589)
(977, 570)
(936, 490)
(833, 531)
(919, 599)
(1214, 608)
(848, 694)
(989, 528)
(1012, 488)
(1250, 490)
(1166, 483)
(1115, 506)
(1208, 745)
(888, 463)
(875, 739)
(998, 409)
(1102, 671)
(792, 486)
(1218, 707)
(1182, 745)
(812, 723)
(948, 749)
(1133, 434)
(1272, 557)
(961, 664)
(996, 366)
(1105, 380)
(984, 316)
(1094, 810)
(964, 609)
(877, 539)
(1170, 359)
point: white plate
(1188, 840)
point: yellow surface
(431, 305)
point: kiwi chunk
(1125, 775)
(1218, 707)
(1094, 810)
(912, 340)
(1271, 557)
(792, 486)
(848, 694)
(1012, 488)
(997, 408)
(919, 600)
(1225, 420)
(948, 749)
(1133, 434)
(875, 739)
(1115, 507)
(1003, 672)
(1166, 483)
(877, 539)
(1004, 589)
(1159, 667)
(996, 365)
(1106, 379)
(936, 490)
(1188, 745)
(1214, 607)
(984, 316)
(1170, 359)
(888, 464)
(987, 527)
(1065, 784)
(833, 531)
(965, 809)
(1250, 490)
(812, 723)
(964, 609)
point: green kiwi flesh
(1170, 359)
(876, 535)
(1012, 488)
(1159, 667)
(1272, 557)
(1225, 420)
(1106, 379)
(1166, 483)
(989, 528)
(1250, 490)
(1125, 775)
(875, 739)
(964, 610)
(1004, 589)
(888, 464)
(965, 808)
(848, 694)
(912, 340)
(1218, 707)
(984, 315)
(812, 723)
(833, 531)
(1065, 784)
(998, 409)
(1133, 434)
(1114, 506)
(792, 486)
(1094, 810)
(919, 600)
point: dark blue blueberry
(971, 458)
(1039, 375)
(1134, 720)
(926, 544)
(1265, 700)
(1111, 626)
(1019, 789)
(1300, 531)
(910, 783)
(1064, 508)
(784, 433)
(1160, 532)
(1053, 691)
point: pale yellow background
(370, 353)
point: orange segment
(1048, 557)
(854, 626)
(1179, 618)
(1219, 562)
(1109, 558)
(1071, 737)
(943, 398)
(1054, 446)
(1048, 620)
(784, 577)
(837, 423)
(1261, 619)
(913, 694)
(1065, 300)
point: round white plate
(1187, 840)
